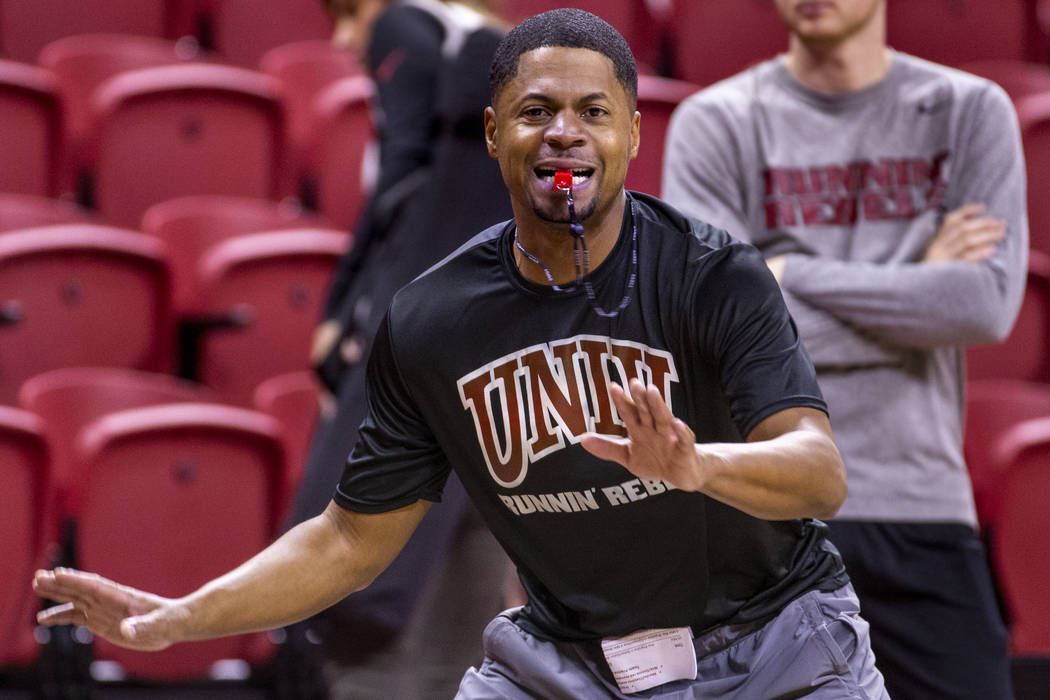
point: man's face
(564, 110)
(827, 21)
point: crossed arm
(310, 567)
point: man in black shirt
(625, 398)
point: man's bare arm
(309, 568)
(788, 468)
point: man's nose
(565, 131)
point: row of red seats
(122, 122)
(127, 473)
(241, 278)
(240, 31)
(1007, 450)
(1006, 446)
(1007, 430)
(695, 40)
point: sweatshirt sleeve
(702, 177)
(925, 305)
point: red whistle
(563, 180)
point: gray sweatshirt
(852, 189)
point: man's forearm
(913, 305)
(794, 476)
(833, 344)
(309, 568)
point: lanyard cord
(582, 261)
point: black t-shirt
(475, 368)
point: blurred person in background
(887, 194)
(419, 624)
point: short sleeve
(749, 336)
(396, 460)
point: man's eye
(534, 112)
(596, 112)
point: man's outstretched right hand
(119, 614)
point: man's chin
(550, 214)
(561, 215)
(551, 218)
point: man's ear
(490, 132)
(636, 134)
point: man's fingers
(57, 586)
(978, 240)
(641, 403)
(65, 614)
(104, 607)
(661, 414)
(685, 435)
(624, 405)
(65, 585)
(607, 448)
(986, 225)
(642, 409)
(975, 255)
(966, 211)
(958, 239)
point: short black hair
(565, 27)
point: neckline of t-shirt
(845, 100)
(596, 276)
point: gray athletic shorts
(817, 647)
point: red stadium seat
(341, 124)
(26, 26)
(170, 497)
(264, 293)
(25, 211)
(713, 39)
(190, 20)
(78, 295)
(302, 70)
(1023, 354)
(70, 398)
(1021, 536)
(190, 225)
(23, 502)
(1018, 78)
(657, 98)
(1033, 112)
(164, 132)
(30, 139)
(244, 30)
(993, 407)
(943, 30)
(80, 63)
(293, 399)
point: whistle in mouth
(563, 180)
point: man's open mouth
(578, 175)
